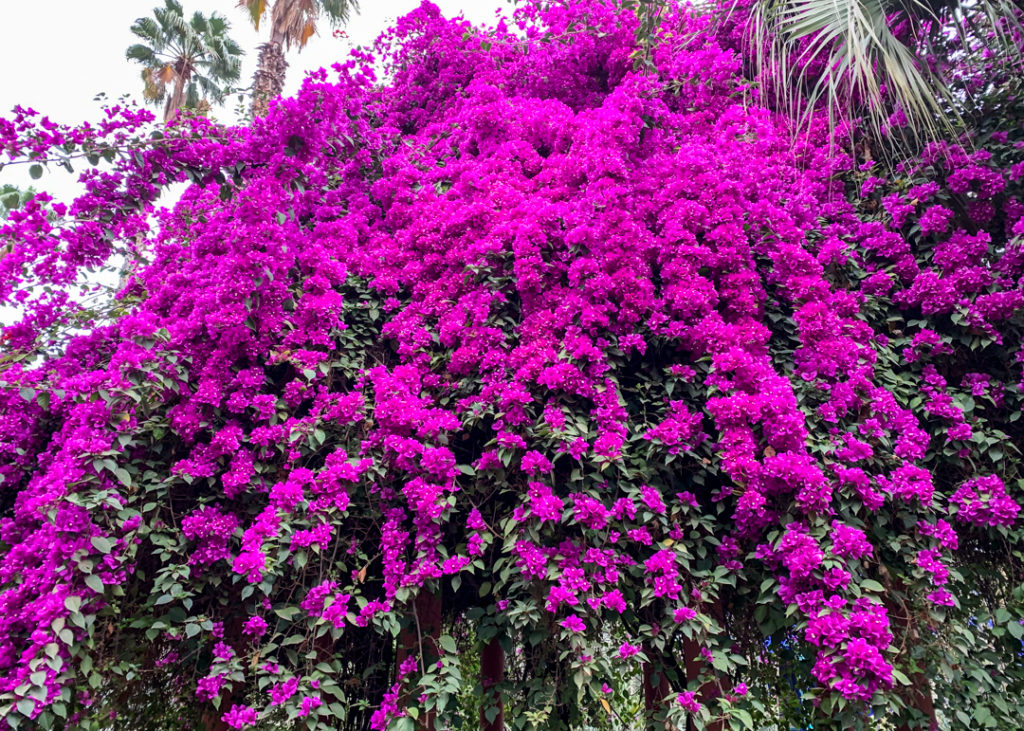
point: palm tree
(187, 62)
(292, 22)
(909, 67)
(920, 60)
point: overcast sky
(58, 54)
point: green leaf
(103, 545)
(26, 706)
(95, 583)
(36, 171)
(872, 585)
(448, 644)
(743, 717)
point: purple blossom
(688, 700)
(240, 716)
(573, 623)
(255, 626)
(628, 650)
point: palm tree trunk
(174, 101)
(268, 81)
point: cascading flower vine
(577, 351)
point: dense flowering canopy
(600, 358)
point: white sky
(59, 54)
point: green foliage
(185, 62)
(12, 197)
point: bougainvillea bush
(518, 347)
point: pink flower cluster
(984, 501)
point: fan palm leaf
(909, 67)
(845, 55)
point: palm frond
(851, 48)
(211, 90)
(140, 53)
(153, 89)
(338, 11)
(177, 24)
(147, 29)
(844, 55)
(257, 9)
(289, 18)
(233, 49)
(199, 23)
(217, 24)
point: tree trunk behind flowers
(918, 695)
(656, 697)
(709, 690)
(212, 719)
(268, 81)
(420, 640)
(695, 661)
(492, 673)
